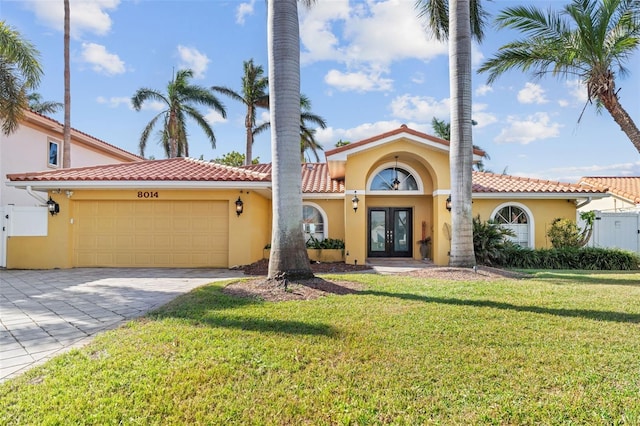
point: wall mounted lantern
(239, 206)
(54, 208)
(447, 203)
(396, 182)
(354, 201)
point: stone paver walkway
(46, 312)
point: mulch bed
(275, 291)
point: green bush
(564, 233)
(489, 241)
(588, 258)
(327, 243)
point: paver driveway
(46, 312)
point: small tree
(234, 159)
(489, 241)
(564, 233)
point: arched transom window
(384, 180)
(517, 219)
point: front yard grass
(559, 348)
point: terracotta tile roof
(496, 183)
(623, 187)
(395, 132)
(175, 169)
(315, 178)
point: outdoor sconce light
(54, 208)
(354, 202)
(239, 206)
(447, 203)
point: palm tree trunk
(66, 132)
(461, 148)
(288, 258)
(249, 128)
(620, 116)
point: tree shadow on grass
(624, 278)
(205, 304)
(610, 316)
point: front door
(390, 232)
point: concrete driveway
(44, 313)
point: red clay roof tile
(496, 183)
(627, 187)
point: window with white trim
(515, 218)
(384, 180)
(313, 223)
(53, 154)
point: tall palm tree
(307, 134)
(288, 258)
(455, 19)
(36, 104)
(179, 101)
(66, 130)
(591, 39)
(20, 70)
(253, 95)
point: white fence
(616, 230)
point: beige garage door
(151, 233)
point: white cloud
(213, 117)
(483, 90)
(87, 16)
(358, 81)
(535, 127)
(373, 34)
(532, 94)
(101, 60)
(573, 174)
(329, 136)
(152, 105)
(244, 10)
(192, 59)
(419, 108)
(482, 117)
(114, 101)
(577, 90)
(563, 103)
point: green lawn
(560, 348)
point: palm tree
(36, 104)
(591, 39)
(307, 134)
(180, 101)
(288, 258)
(442, 129)
(457, 26)
(66, 130)
(19, 72)
(254, 94)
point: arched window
(518, 220)
(384, 180)
(313, 222)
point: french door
(390, 232)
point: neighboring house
(381, 196)
(37, 146)
(617, 222)
(624, 193)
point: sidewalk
(46, 312)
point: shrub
(327, 243)
(564, 233)
(489, 241)
(589, 258)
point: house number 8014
(147, 194)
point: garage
(150, 233)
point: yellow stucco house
(382, 196)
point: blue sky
(367, 66)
